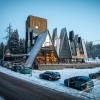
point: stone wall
(61, 66)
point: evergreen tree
(9, 31)
(1, 50)
(89, 48)
(15, 45)
(22, 46)
(13, 42)
(93, 51)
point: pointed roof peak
(7, 53)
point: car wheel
(67, 83)
(40, 77)
(50, 79)
(81, 88)
(93, 77)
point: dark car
(48, 75)
(95, 75)
(79, 82)
(16, 68)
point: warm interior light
(36, 27)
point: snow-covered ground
(59, 85)
(91, 60)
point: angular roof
(7, 53)
(54, 35)
(64, 51)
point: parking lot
(59, 84)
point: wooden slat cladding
(41, 23)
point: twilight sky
(81, 16)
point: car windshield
(47, 72)
(52, 73)
(56, 73)
(83, 78)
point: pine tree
(13, 42)
(9, 31)
(1, 50)
(15, 45)
(93, 51)
(22, 46)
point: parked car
(48, 75)
(25, 70)
(79, 82)
(16, 68)
(95, 75)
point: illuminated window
(36, 27)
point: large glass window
(46, 57)
(47, 54)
